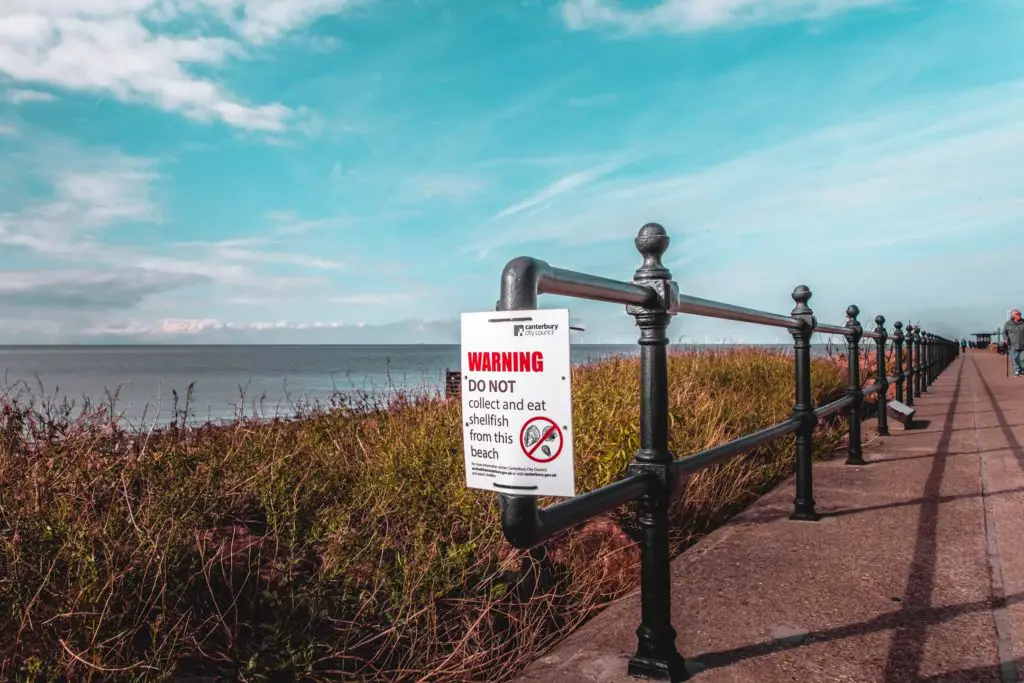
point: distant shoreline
(375, 346)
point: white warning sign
(517, 402)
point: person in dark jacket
(1013, 334)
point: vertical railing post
(854, 332)
(656, 655)
(911, 368)
(897, 343)
(881, 375)
(926, 358)
(919, 371)
(803, 408)
(928, 352)
(933, 357)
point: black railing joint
(664, 298)
(521, 521)
(657, 469)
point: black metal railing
(652, 298)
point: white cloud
(685, 16)
(198, 326)
(88, 196)
(8, 130)
(132, 51)
(95, 192)
(21, 96)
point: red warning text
(506, 361)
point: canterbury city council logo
(535, 330)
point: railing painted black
(652, 298)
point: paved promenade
(916, 573)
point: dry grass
(342, 545)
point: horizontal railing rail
(652, 298)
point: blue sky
(361, 170)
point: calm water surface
(272, 379)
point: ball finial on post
(880, 321)
(852, 311)
(801, 295)
(652, 242)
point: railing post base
(667, 666)
(859, 460)
(805, 513)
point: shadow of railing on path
(929, 616)
(907, 649)
(774, 516)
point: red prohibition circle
(549, 427)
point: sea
(224, 383)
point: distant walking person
(1013, 333)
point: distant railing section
(652, 298)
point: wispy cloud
(8, 130)
(198, 326)
(567, 183)
(21, 96)
(593, 100)
(130, 50)
(941, 166)
(379, 298)
(83, 289)
(686, 16)
(450, 186)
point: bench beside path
(914, 573)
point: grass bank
(342, 545)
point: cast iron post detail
(656, 655)
(919, 371)
(881, 375)
(897, 342)
(911, 370)
(925, 356)
(929, 359)
(803, 409)
(933, 358)
(854, 332)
